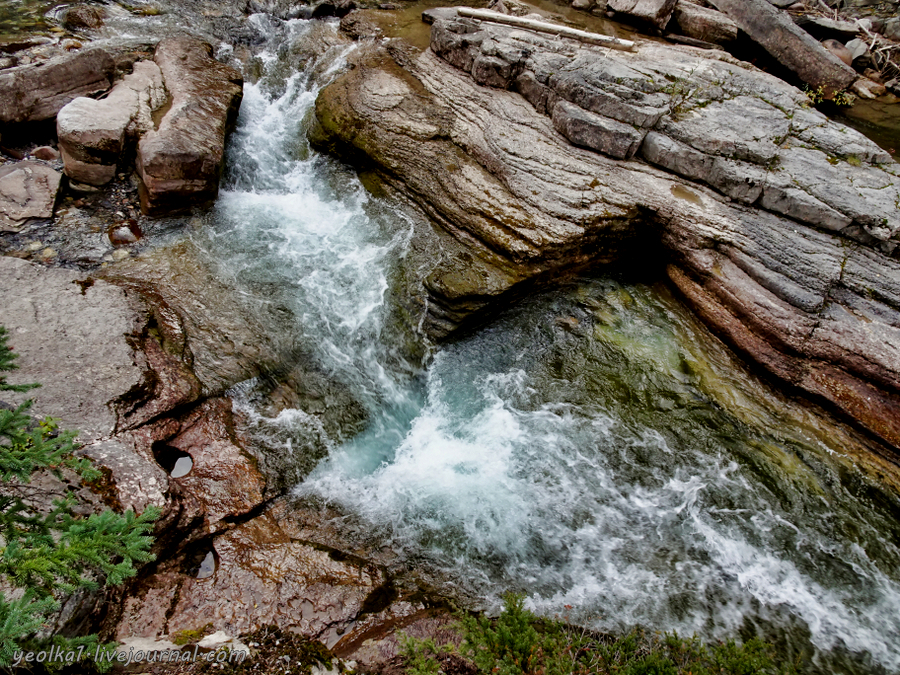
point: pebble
(122, 235)
(48, 253)
(120, 254)
(34, 246)
(46, 153)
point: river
(593, 447)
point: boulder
(839, 51)
(27, 190)
(789, 44)
(776, 219)
(702, 23)
(859, 53)
(92, 133)
(39, 91)
(823, 28)
(46, 153)
(180, 163)
(892, 29)
(656, 12)
(80, 17)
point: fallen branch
(544, 27)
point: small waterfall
(592, 447)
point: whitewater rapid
(592, 447)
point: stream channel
(593, 446)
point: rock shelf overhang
(537, 155)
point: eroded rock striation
(781, 227)
(38, 91)
(180, 163)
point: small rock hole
(177, 463)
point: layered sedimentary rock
(180, 163)
(39, 91)
(93, 133)
(782, 227)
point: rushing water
(592, 447)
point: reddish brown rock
(180, 162)
(839, 51)
(263, 576)
(223, 481)
(39, 91)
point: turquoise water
(592, 447)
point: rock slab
(180, 163)
(39, 91)
(92, 133)
(657, 12)
(789, 44)
(27, 190)
(702, 23)
(782, 226)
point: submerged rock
(79, 17)
(180, 162)
(781, 226)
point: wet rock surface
(180, 162)
(774, 236)
(274, 569)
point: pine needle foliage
(47, 550)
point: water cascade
(592, 447)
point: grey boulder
(27, 190)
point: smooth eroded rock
(39, 91)
(180, 163)
(92, 133)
